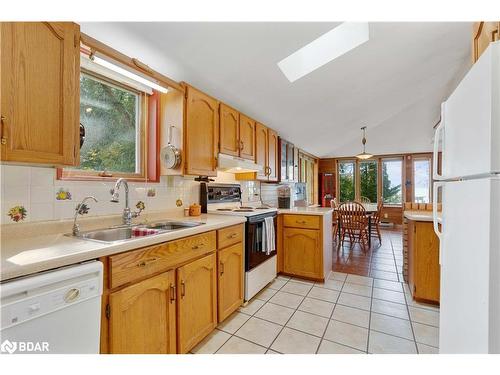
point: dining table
(370, 209)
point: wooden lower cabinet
(197, 301)
(302, 252)
(143, 317)
(230, 280)
(423, 261)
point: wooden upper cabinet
(230, 280)
(261, 147)
(272, 155)
(302, 252)
(40, 92)
(142, 317)
(197, 301)
(247, 137)
(483, 33)
(201, 133)
(229, 131)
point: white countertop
(320, 211)
(24, 254)
(420, 215)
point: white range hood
(234, 164)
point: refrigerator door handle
(439, 233)
(435, 154)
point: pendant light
(364, 155)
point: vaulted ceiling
(393, 84)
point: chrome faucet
(128, 215)
(81, 208)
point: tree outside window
(392, 176)
(368, 180)
(347, 181)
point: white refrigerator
(469, 185)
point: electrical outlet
(386, 216)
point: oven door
(254, 254)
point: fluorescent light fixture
(324, 49)
(128, 74)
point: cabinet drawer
(301, 221)
(137, 264)
(229, 236)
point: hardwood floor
(382, 261)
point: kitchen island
(304, 241)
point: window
(368, 180)
(421, 180)
(347, 180)
(392, 177)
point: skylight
(324, 49)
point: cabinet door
(261, 154)
(483, 33)
(197, 301)
(282, 151)
(229, 131)
(302, 252)
(230, 280)
(295, 164)
(142, 317)
(247, 138)
(273, 155)
(426, 272)
(201, 132)
(40, 92)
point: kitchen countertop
(420, 215)
(29, 251)
(320, 211)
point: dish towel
(270, 237)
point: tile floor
(347, 314)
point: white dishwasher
(53, 312)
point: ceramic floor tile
(389, 295)
(390, 308)
(309, 323)
(259, 331)
(392, 326)
(384, 267)
(413, 303)
(211, 343)
(283, 277)
(392, 276)
(269, 351)
(347, 334)
(426, 349)
(234, 322)
(302, 281)
(381, 343)
(424, 316)
(353, 300)
(275, 313)
(287, 299)
(361, 290)
(331, 284)
(324, 294)
(330, 347)
(276, 284)
(390, 285)
(236, 345)
(361, 280)
(425, 334)
(291, 341)
(340, 276)
(252, 307)
(316, 306)
(296, 288)
(266, 294)
(351, 315)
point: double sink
(126, 232)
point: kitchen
(202, 215)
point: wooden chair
(365, 200)
(335, 217)
(354, 223)
(375, 221)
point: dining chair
(365, 200)
(353, 223)
(375, 221)
(335, 218)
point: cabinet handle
(232, 235)
(301, 222)
(221, 268)
(172, 293)
(242, 145)
(196, 247)
(183, 288)
(4, 138)
(145, 262)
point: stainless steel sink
(125, 233)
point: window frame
(358, 182)
(356, 174)
(381, 180)
(68, 173)
(428, 158)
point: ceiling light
(364, 155)
(324, 49)
(128, 73)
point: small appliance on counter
(284, 196)
(260, 257)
